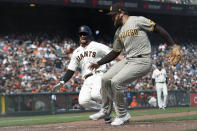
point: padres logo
(131, 32)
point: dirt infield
(101, 126)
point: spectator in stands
(142, 99)
(134, 103)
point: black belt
(88, 75)
(160, 82)
(139, 56)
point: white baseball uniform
(160, 80)
(82, 57)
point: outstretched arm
(68, 75)
(108, 58)
(164, 34)
(174, 56)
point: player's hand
(93, 66)
(59, 85)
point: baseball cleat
(162, 108)
(120, 121)
(108, 119)
(98, 115)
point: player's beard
(159, 68)
(84, 41)
(118, 21)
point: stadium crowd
(32, 63)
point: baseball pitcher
(131, 39)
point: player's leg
(165, 95)
(96, 86)
(96, 95)
(159, 99)
(130, 72)
(85, 99)
(106, 90)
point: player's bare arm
(164, 34)
(174, 56)
(108, 58)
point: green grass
(45, 119)
(180, 118)
(63, 118)
(191, 130)
(156, 111)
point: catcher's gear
(174, 56)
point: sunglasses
(83, 34)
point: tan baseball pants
(114, 80)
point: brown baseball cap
(116, 8)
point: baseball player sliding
(131, 39)
(159, 78)
(88, 51)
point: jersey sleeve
(104, 49)
(165, 73)
(153, 75)
(117, 46)
(73, 63)
(146, 24)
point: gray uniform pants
(114, 81)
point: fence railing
(54, 103)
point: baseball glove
(174, 56)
